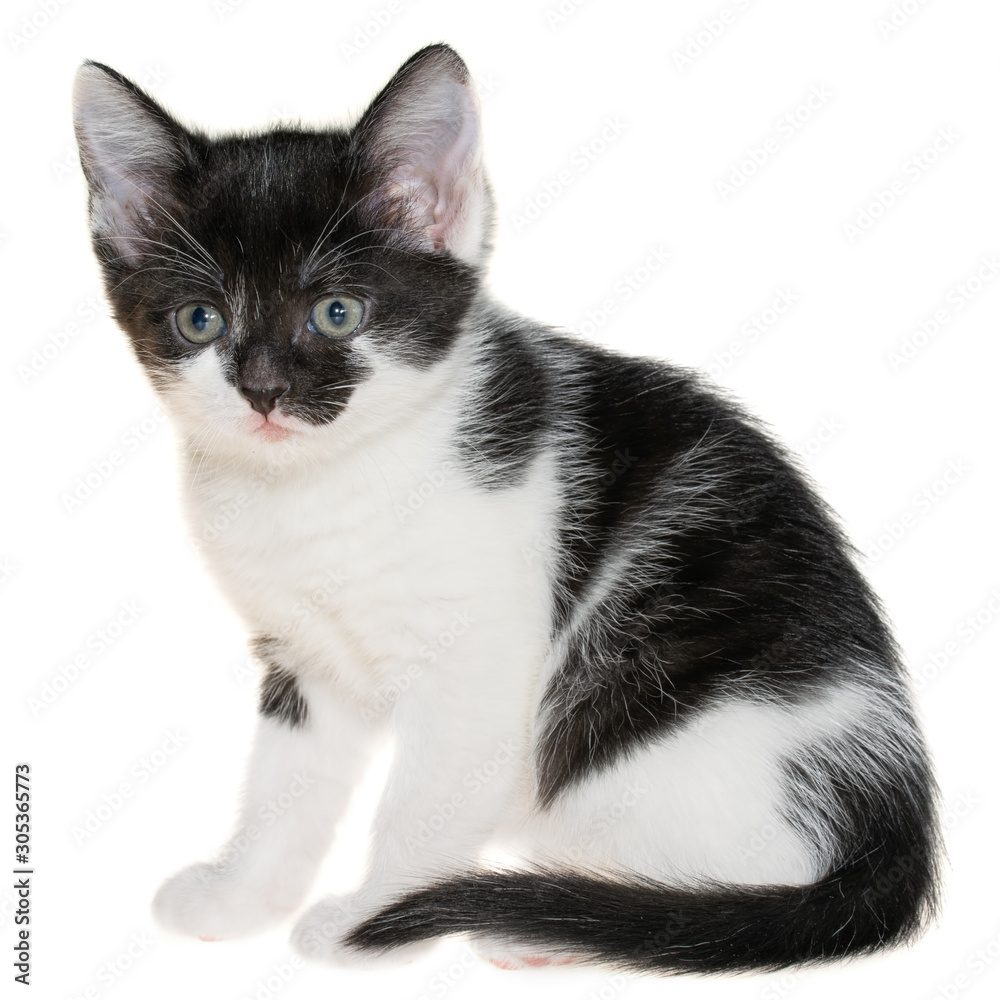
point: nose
(263, 400)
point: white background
(874, 437)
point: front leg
(308, 753)
(459, 771)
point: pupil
(337, 312)
(200, 319)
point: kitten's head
(266, 280)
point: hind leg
(707, 803)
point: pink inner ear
(414, 194)
(129, 155)
(125, 210)
(439, 170)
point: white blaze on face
(208, 408)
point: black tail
(643, 926)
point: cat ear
(131, 151)
(422, 136)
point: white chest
(376, 564)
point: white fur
(427, 617)
(297, 787)
(705, 803)
(417, 596)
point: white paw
(321, 930)
(214, 902)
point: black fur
(740, 582)
(267, 214)
(645, 927)
(281, 699)
(730, 570)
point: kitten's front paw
(214, 902)
(320, 933)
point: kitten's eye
(200, 323)
(336, 316)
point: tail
(639, 925)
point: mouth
(271, 428)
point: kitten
(611, 630)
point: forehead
(273, 195)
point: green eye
(200, 322)
(336, 316)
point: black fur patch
(727, 574)
(505, 424)
(280, 697)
